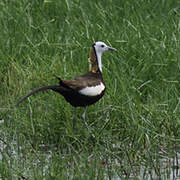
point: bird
(84, 90)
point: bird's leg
(84, 113)
(84, 116)
(74, 118)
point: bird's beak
(112, 49)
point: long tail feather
(44, 88)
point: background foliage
(134, 129)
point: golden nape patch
(93, 61)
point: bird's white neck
(99, 55)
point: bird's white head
(99, 48)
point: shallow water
(168, 167)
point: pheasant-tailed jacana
(85, 89)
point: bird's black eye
(102, 45)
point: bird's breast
(93, 90)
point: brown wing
(89, 79)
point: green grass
(134, 129)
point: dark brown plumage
(70, 89)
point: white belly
(93, 90)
